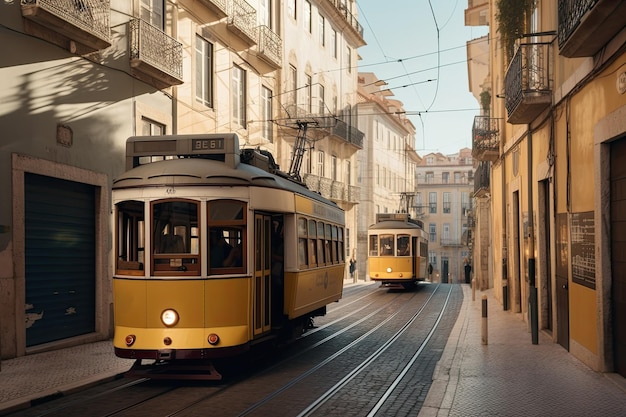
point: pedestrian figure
(352, 266)
(430, 271)
(468, 271)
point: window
(333, 167)
(303, 257)
(445, 177)
(151, 11)
(419, 203)
(320, 100)
(175, 239)
(204, 72)
(266, 100)
(226, 226)
(386, 245)
(430, 177)
(292, 90)
(308, 91)
(445, 234)
(130, 242)
(307, 17)
(432, 232)
(239, 95)
(432, 202)
(348, 173)
(151, 128)
(312, 245)
(373, 245)
(265, 13)
(291, 8)
(334, 43)
(349, 59)
(457, 177)
(320, 163)
(322, 30)
(404, 245)
(447, 202)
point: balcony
(84, 22)
(155, 57)
(242, 21)
(219, 7)
(527, 83)
(451, 242)
(339, 9)
(486, 138)
(481, 180)
(347, 132)
(585, 26)
(318, 184)
(270, 46)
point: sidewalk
(507, 377)
(63, 371)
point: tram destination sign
(207, 144)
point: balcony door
(151, 11)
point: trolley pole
(484, 333)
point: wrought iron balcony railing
(340, 7)
(155, 54)
(585, 26)
(486, 138)
(83, 21)
(270, 46)
(219, 7)
(527, 83)
(348, 133)
(242, 20)
(481, 179)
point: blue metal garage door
(60, 259)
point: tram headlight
(389, 270)
(169, 317)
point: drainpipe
(505, 280)
(533, 302)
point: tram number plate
(207, 144)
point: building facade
(387, 163)
(83, 76)
(555, 142)
(445, 184)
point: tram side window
(312, 243)
(130, 237)
(373, 245)
(175, 237)
(404, 245)
(335, 246)
(303, 258)
(340, 244)
(227, 237)
(327, 243)
(423, 248)
(321, 258)
(386, 245)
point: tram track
(330, 358)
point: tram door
(262, 267)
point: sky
(419, 48)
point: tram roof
(206, 172)
(394, 224)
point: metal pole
(484, 333)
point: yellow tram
(397, 250)
(216, 250)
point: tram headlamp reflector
(389, 270)
(130, 340)
(169, 317)
(213, 339)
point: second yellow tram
(397, 250)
